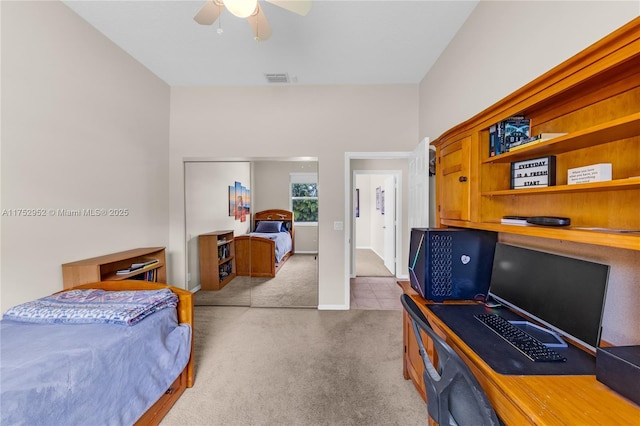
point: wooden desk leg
(405, 330)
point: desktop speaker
(451, 264)
(619, 368)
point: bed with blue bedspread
(262, 252)
(115, 354)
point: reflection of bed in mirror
(262, 253)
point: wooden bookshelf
(594, 97)
(217, 259)
(104, 268)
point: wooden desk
(524, 400)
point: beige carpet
(369, 264)
(295, 285)
(298, 367)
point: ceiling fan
(251, 10)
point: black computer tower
(451, 264)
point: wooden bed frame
(255, 256)
(154, 415)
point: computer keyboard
(531, 347)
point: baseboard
(333, 307)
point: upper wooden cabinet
(595, 98)
(454, 185)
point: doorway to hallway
(375, 224)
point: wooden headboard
(275, 214)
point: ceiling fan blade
(209, 12)
(301, 7)
(259, 25)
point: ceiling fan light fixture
(241, 8)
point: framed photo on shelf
(534, 173)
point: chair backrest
(454, 396)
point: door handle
(462, 178)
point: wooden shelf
(212, 261)
(622, 128)
(225, 260)
(594, 97)
(629, 241)
(630, 183)
(104, 268)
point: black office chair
(454, 396)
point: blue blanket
(94, 306)
(88, 374)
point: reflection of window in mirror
(304, 198)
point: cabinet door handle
(462, 178)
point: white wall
(530, 38)
(376, 224)
(207, 205)
(84, 126)
(504, 45)
(367, 210)
(291, 121)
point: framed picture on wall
(382, 202)
(238, 197)
(378, 198)
(232, 200)
(246, 198)
(357, 202)
(241, 206)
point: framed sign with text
(534, 173)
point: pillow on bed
(269, 226)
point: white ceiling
(338, 42)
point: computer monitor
(563, 293)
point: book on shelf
(143, 264)
(137, 266)
(507, 132)
(150, 275)
(224, 252)
(493, 141)
(533, 140)
(515, 129)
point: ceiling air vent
(277, 78)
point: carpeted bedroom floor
(298, 367)
(295, 285)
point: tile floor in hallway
(375, 293)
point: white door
(418, 186)
(390, 224)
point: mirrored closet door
(227, 262)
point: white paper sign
(594, 173)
